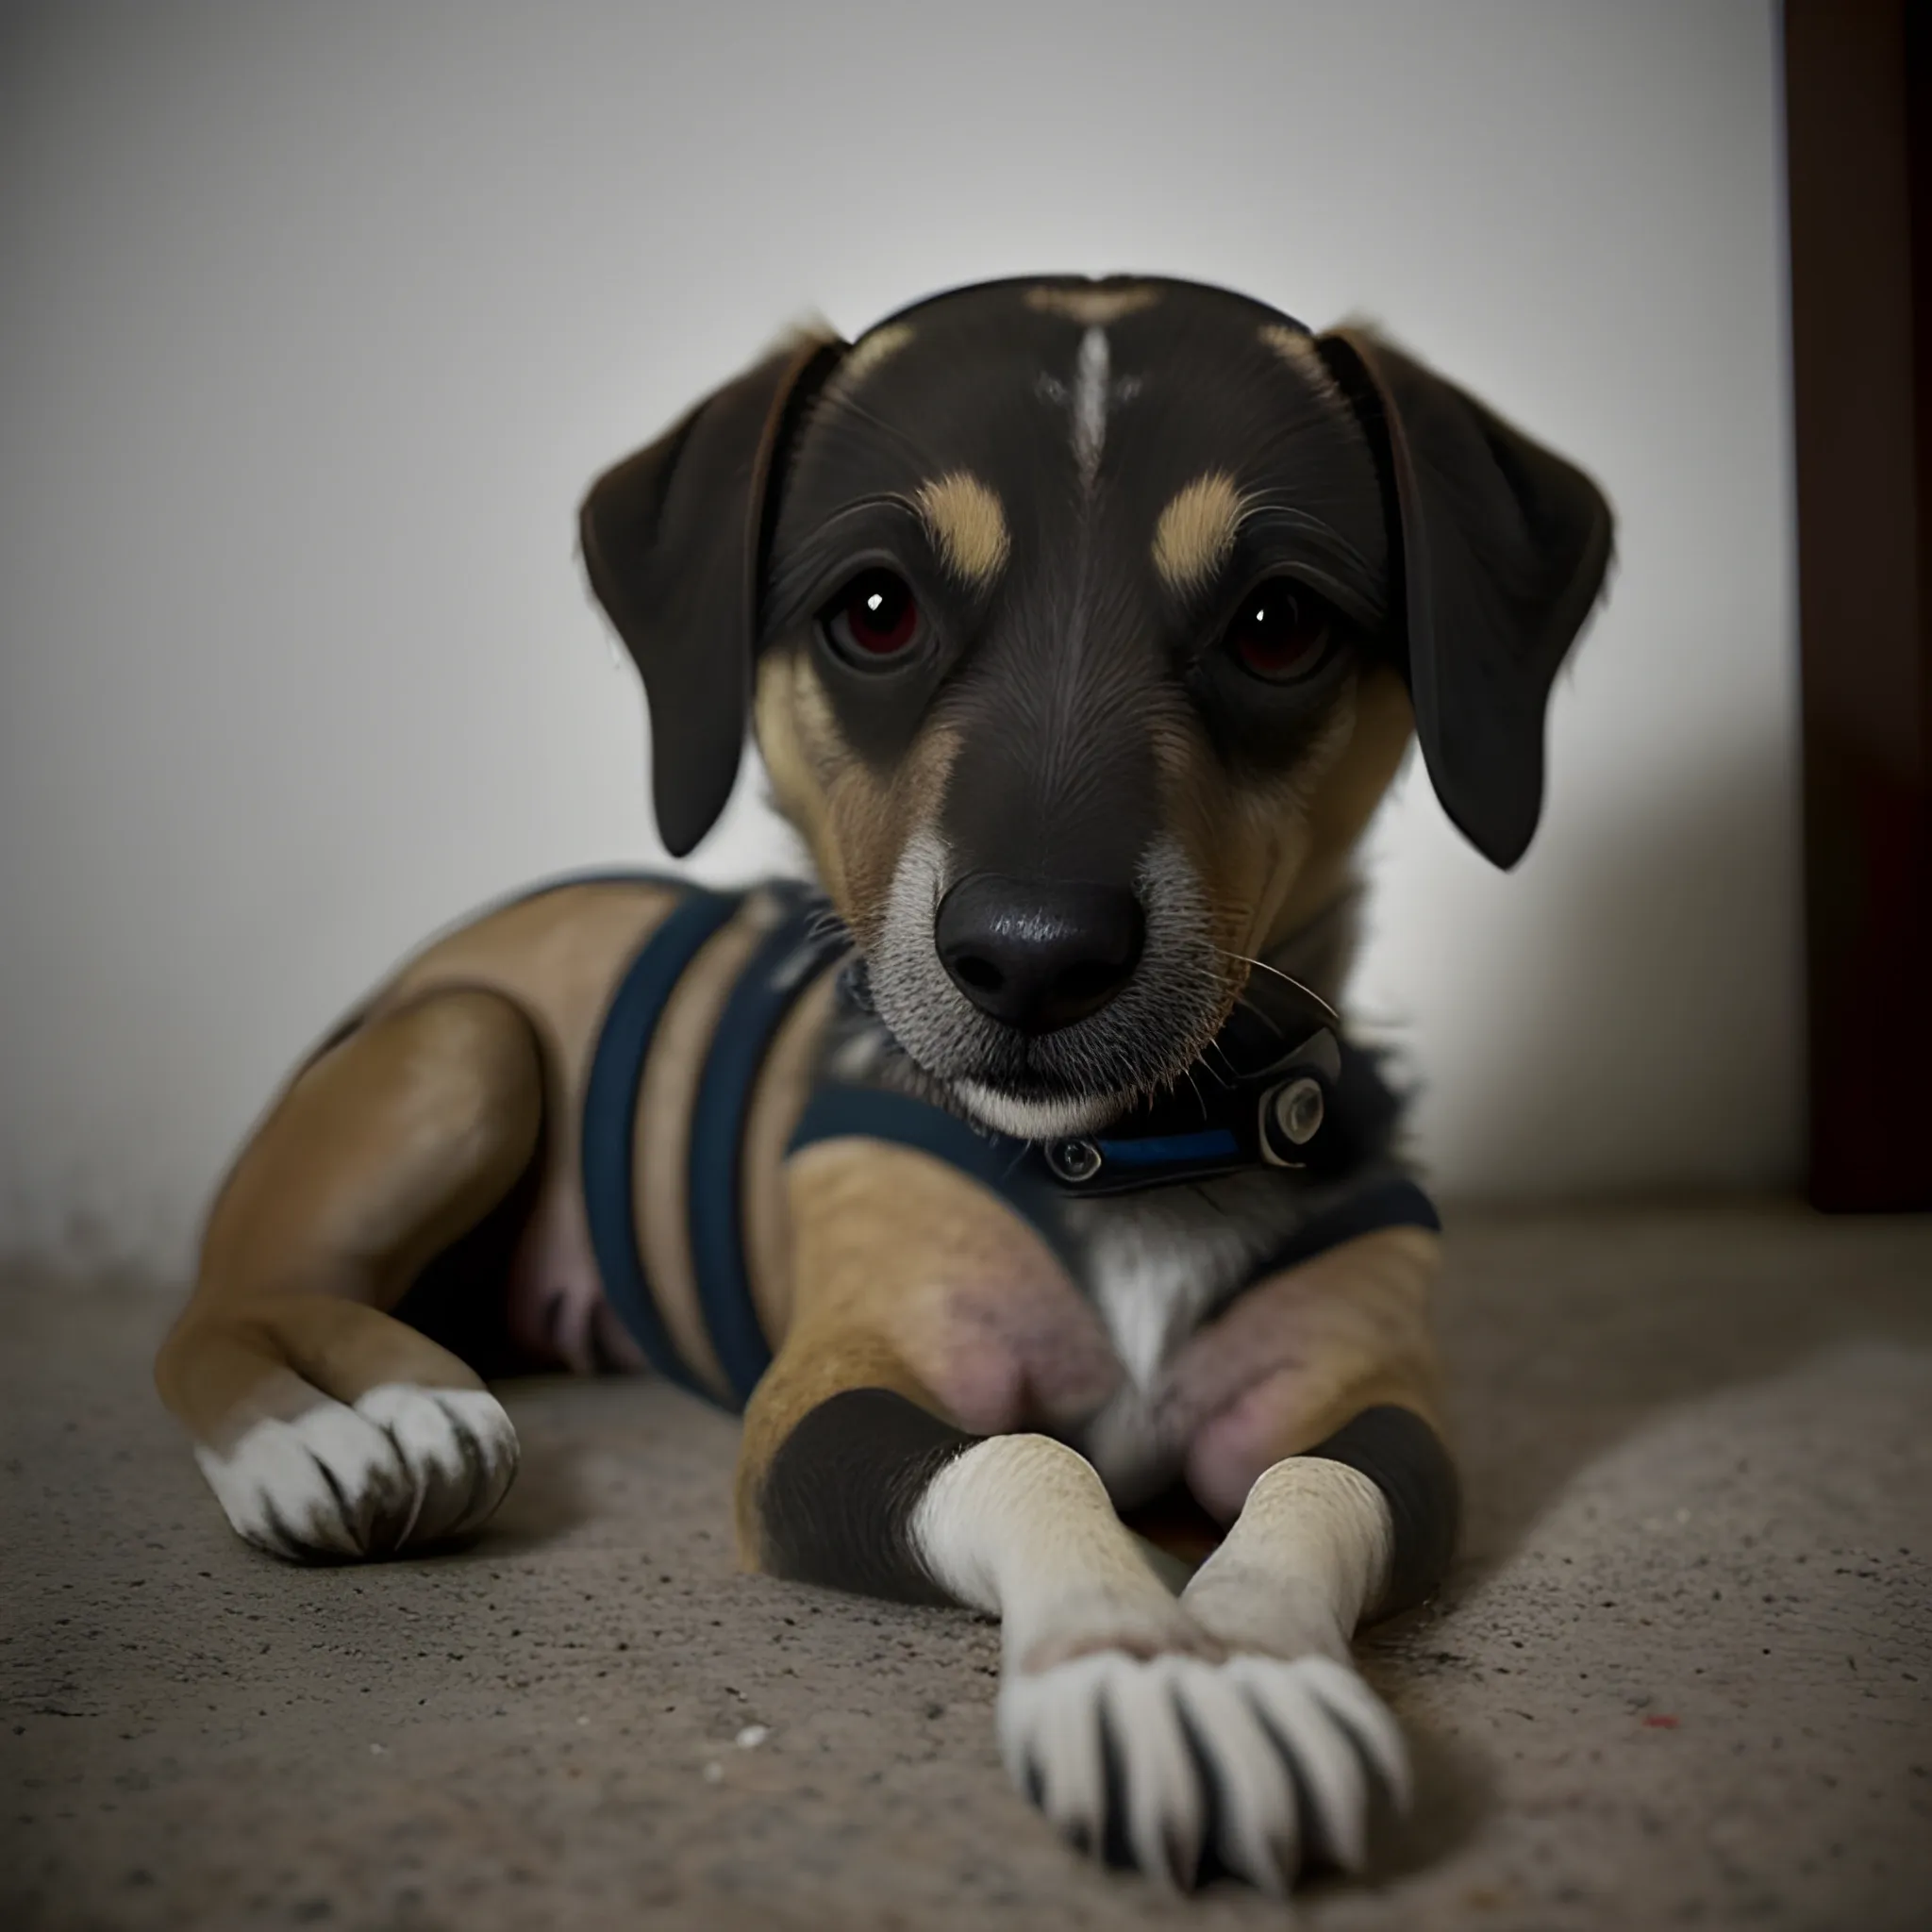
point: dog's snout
(1034, 955)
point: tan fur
(1091, 308)
(865, 355)
(660, 1182)
(431, 1106)
(382, 1151)
(854, 822)
(1246, 838)
(1195, 531)
(225, 1367)
(784, 1084)
(889, 1246)
(1275, 855)
(397, 1135)
(1345, 799)
(1300, 1352)
(1299, 350)
(555, 955)
(968, 525)
(798, 740)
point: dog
(1015, 1177)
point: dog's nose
(1038, 956)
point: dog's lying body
(1079, 622)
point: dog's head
(1081, 623)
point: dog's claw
(1367, 1719)
(403, 1468)
(1166, 1818)
(1170, 1758)
(1318, 1756)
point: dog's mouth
(1040, 1114)
(1047, 1089)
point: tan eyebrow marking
(865, 355)
(1091, 308)
(1196, 530)
(1298, 347)
(967, 524)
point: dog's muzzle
(1046, 1006)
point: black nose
(1038, 956)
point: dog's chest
(1153, 1267)
(1156, 1268)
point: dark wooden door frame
(1858, 121)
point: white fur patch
(1307, 1560)
(404, 1468)
(1130, 1719)
(1034, 1120)
(1090, 403)
(1152, 1295)
(1190, 1751)
(1019, 1526)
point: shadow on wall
(1596, 1039)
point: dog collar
(1226, 1119)
(1277, 1087)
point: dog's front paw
(404, 1469)
(1157, 1762)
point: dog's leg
(1147, 1735)
(1313, 1401)
(327, 1429)
(925, 1323)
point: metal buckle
(1292, 1110)
(1073, 1161)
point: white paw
(404, 1468)
(1157, 1762)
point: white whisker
(1288, 978)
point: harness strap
(786, 962)
(1392, 1202)
(1011, 1169)
(610, 1121)
(1033, 1179)
(874, 1113)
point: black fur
(1504, 546)
(1079, 644)
(837, 1499)
(1446, 540)
(1402, 1455)
(674, 541)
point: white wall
(314, 321)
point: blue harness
(1317, 1104)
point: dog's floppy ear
(1503, 549)
(672, 541)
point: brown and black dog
(1018, 1174)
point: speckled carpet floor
(1683, 1674)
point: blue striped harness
(1238, 1126)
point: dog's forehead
(1033, 388)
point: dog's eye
(875, 617)
(1280, 632)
